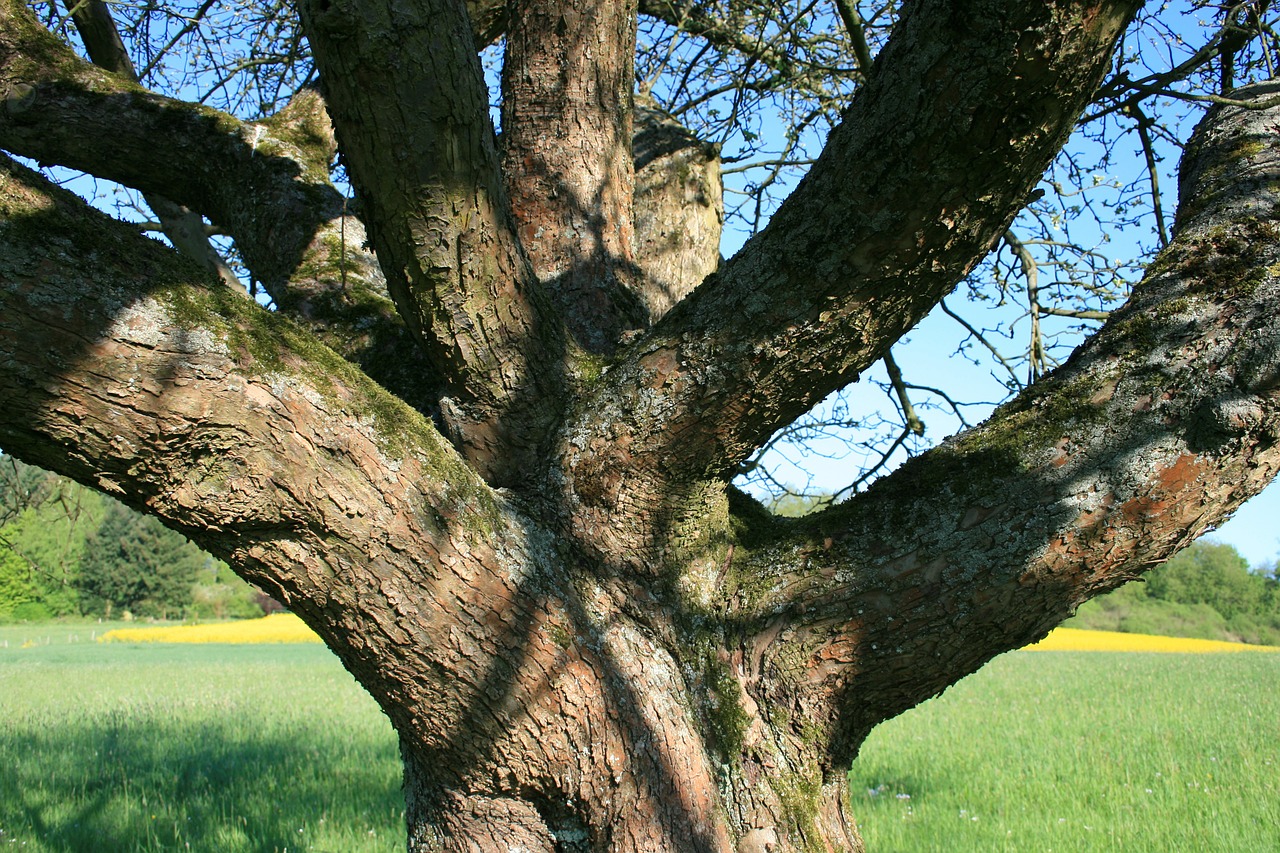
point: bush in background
(66, 550)
(1206, 591)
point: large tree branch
(122, 369)
(977, 98)
(265, 184)
(1155, 430)
(406, 94)
(679, 209)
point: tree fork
(419, 147)
(863, 249)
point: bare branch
(1014, 380)
(1035, 342)
(914, 424)
(856, 28)
(184, 228)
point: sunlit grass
(1082, 752)
(1078, 640)
(276, 628)
(157, 746)
(235, 748)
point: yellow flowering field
(276, 628)
(1077, 640)
(287, 628)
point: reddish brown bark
(616, 651)
(566, 138)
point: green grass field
(120, 747)
(1082, 751)
(126, 747)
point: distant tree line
(1207, 590)
(66, 550)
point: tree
(1214, 574)
(67, 550)
(16, 585)
(136, 564)
(44, 523)
(488, 456)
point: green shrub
(32, 611)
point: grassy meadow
(1082, 751)
(128, 746)
(122, 747)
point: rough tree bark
(584, 637)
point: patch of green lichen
(560, 636)
(751, 528)
(1173, 307)
(1228, 262)
(329, 262)
(312, 170)
(276, 345)
(1249, 146)
(727, 720)
(799, 797)
(755, 570)
(1216, 174)
(1139, 331)
(35, 211)
(304, 125)
(588, 368)
(753, 525)
(359, 321)
(1165, 261)
(699, 527)
(42, 55)
(1035, 419)
(1223, 161)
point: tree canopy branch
(873, 237)
(184, 228)
(419, 147)
(1154, 431)
(269, 193)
